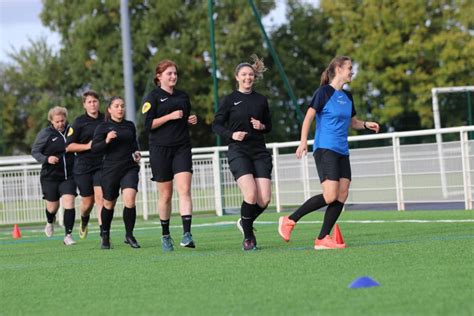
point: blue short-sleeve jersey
(334, 111)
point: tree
(176, 30)
(29, 87)
(402, 49)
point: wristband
(365, 126)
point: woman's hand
(176, 115)
(239, 136)
(192, 120)
(301, 150)
(52, 160)
(373, 126)
(137, 156)
(110, 136)
(256, 124)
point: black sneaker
(131, 241)
(105, 241)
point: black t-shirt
(119, 151)
(235, 112)
(160, 103)
(82, 132)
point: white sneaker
(239, 226)
(49, 229)
(68, 241)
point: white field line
(217, 224)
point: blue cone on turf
(363, 282)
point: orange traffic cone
(16, 232)
(337, 236)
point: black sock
(186, 219)
(100, 228)
(50, 216)
(246, 214)
(69, 216)
(165, 226)
(311, 205)
(85, 220)
(129, 218)
(106, 215)
(330, 217)
(258, 210)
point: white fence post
(275, 181)
(144, 189)
(217, 183)
(398, 173)
(306, 191)
(466, 169)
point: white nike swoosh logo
(163, 100)
(54, 139)
(235, 103)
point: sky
(20, 23)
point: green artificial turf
(424, 268)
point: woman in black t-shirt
(167, 115)
(243, 118)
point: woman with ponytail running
(335, 112)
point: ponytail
(324, 77)
(330, 72)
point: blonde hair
(57, 110)
(257, 65)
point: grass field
(424, 268)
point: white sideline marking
(417, 221)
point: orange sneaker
(327, 243)
(285, 227)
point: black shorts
(332, 165)
(114, 179)
(255, 160)
(86, 182)
(54, 189)
(165, 162)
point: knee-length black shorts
(255, 160)
(332, 165)
(113, 180)
(165, 161)
(54, 189)
(87, 181)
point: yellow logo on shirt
(70, 132)
(146, 107)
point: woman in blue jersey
(335, 112)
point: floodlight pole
(437, 126)
(127, 61)
(210, 12)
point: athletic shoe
(68, 241)
(240, 228)
(105, 241)
(167, 243)
(83, 231)
(327, 243)
(187, 241)
(130, 240)
(49, 229)
(285, 227)
(249, 244)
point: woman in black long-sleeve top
(117, 139)
(243, 118)
(56, 177)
